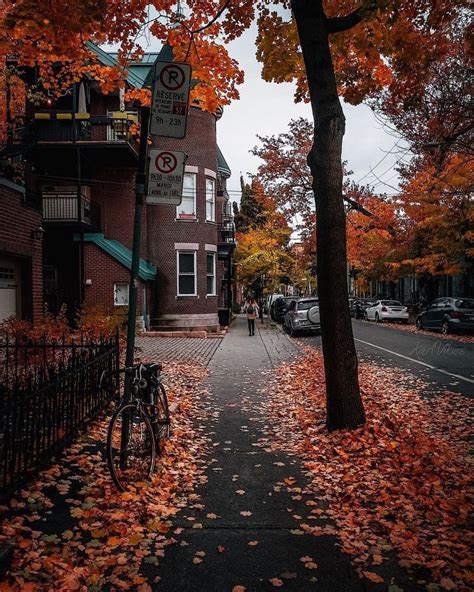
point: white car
(387, 310)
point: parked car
(359, 306)
(269, 300)
(387, 310)
(279, 308)
(448, 315)
(302, 315)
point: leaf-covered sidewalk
(71, 530)
(254, 494)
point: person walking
(251, 309)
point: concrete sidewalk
(244, 478)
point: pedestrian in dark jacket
(251, 308)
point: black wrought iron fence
(48, 390)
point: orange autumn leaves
(397, 486)
(393, 42)
(40, 34)
(112, 535)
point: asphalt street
(445, 364)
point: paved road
(445, 364)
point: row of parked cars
(447, 315)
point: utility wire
(380, 161)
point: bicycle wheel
(163, 413)
(131, 447)
(159, 416)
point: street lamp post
(263, 279)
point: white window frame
(211, 200)
(178, 253)
(115, 293)
(214, 292)
(184, 216)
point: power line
(131, 184)
(380, 161)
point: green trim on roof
(139, 74)
(222, 165)
(146, 271)
(109, 59)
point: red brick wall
(17, 222)
(103, 270)
(164, 230)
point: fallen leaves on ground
(396, 485)
(108, 534)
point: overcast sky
(266, 108)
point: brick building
(21, 271)
(81, 159)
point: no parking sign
(165, 177)
(170, 99)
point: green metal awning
(222, 165)
(114, 248)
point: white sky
(266, 109)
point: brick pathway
(177, 349)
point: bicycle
(138, 426)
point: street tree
(329, 47)
(439, 221)
(251, 212)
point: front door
(9, 290)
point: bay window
(186, 263)
(187, 208)
(210, 200)
(211, 274)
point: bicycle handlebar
(150, 367)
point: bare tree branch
(356, 206)
(344, 23)
(214, 19)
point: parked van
(269, 299)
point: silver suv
(303, 315)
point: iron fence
(48, 390)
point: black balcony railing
(67, 207)
(48, 390)
(227, 231)
(96, 129)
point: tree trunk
(344, 404)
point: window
(186, 274)
(210, 200)
(187, 208)
(120, 294)
(7, 273)
(211, 274)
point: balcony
(104, 137)
(226, 237)
(66, 207)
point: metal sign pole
(133, 288)
(137, 232)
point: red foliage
(113, 533)
(396, 485)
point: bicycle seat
(152, 368)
